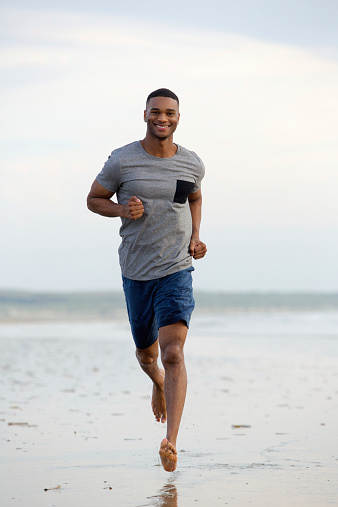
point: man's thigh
(173, 335)
(173, 299)
(139, 301)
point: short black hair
(163, 92)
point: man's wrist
(123, 211)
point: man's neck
(161, 148)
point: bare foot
(158, 402)
(168, 455)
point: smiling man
(159, 200)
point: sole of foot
(168, 455)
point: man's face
(162, 116)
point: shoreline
(120, 315)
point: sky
(258, 89)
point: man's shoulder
(184, 152)
(126, 149)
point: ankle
(171, 440)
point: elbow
(90, 204)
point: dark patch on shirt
(183, 189)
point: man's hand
(197, 249)
(133, 209)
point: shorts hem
(147, 346)
(173, 320)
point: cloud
(263, 117)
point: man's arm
(196, 248)
(99, 201)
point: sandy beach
(258, 429)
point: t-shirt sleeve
(109, 177)
(201, 173)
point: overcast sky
(258, 86)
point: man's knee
(146, 357)
(172, 353)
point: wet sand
(259, 425)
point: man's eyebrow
(158, 109)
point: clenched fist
(197, 249)
(133, 209)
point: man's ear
(145, 115)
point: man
(157, 184)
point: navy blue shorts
(156, 303)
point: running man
(159, 200)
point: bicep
(195, 196)
(98, 191)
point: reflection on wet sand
(167, 496)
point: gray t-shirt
(156, 244)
